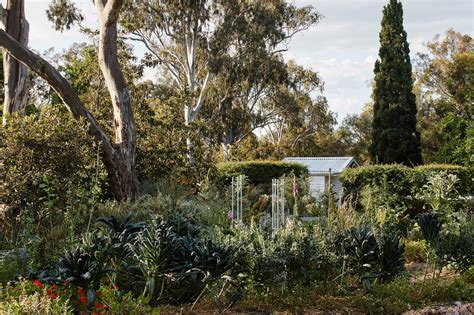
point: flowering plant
(78, 298)
(34, 296)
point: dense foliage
(444, 94)
(67, 245)
(178, 248)
(50, 169)
(403, 184)
(394, 135)
(259, 172)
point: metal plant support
(278, 203)
(236, 191)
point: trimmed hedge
(465, 185)
(402, 181)
(258, 172)
(395, 177)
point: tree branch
(202, 95)
(60, 85)
(3, 17)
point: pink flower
(295, 187)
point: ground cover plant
(152, 258)
(153, 180)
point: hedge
(402, 181)
(258, 172)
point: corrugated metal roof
(321, 165)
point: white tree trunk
(183, 69)
(227, 151)
(15, 74)
(124, 122)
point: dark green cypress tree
(394, 136)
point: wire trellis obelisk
(278, 203)
(236, 191)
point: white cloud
(42, 33)
(342, 47)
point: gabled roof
(321, 165)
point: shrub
(403, 184)
(468, 275)
(465, 175)
(430, 225)
(79, 268)
(51, 175)
(415, 251)
(450, 248)
(258, 172)
(177, 265)
(395, 177)
(32, 298)
(457, 250)
(369, 258)
(11, 264)
(284, 258)
(391, 257)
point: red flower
(80, 292)
(83, 299)
(53, 287)
(95, 313)
(98, 306)
(116, 287)
(54, 296)
(37, 283)
(49, 292)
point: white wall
(337, 185)
(318, 184)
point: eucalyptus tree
(299, 115)
(354, 135)
(445, 88)
(119, 154)
(15, 74)
(224, 44)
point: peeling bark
(15, 73)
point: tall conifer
(394, 138)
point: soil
(455, 309)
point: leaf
(91, 296)
(151, 285)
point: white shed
(321, 168)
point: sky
(342, 47)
